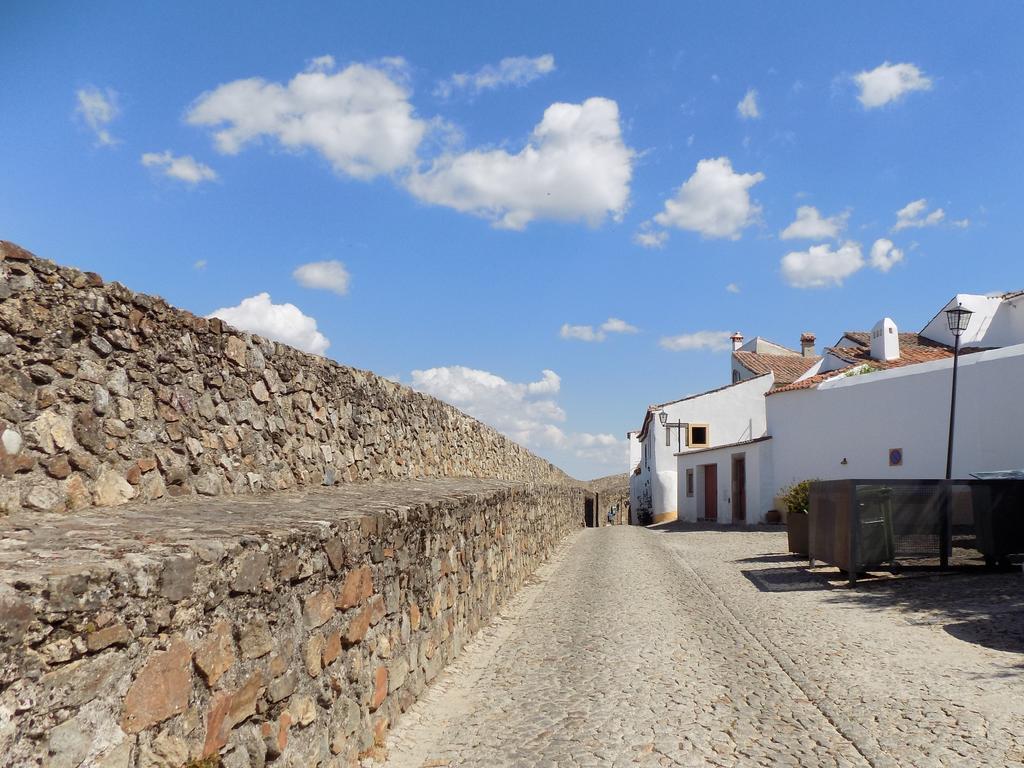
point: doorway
(739, 489)
(711, 492)
(589, 513)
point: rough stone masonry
(291, 628)
(107, 395)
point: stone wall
(286, 629)
(612, 490)
(107, 395)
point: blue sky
(462, 195)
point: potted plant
(797, 498)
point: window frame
(707, 436)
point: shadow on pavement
(773, 558)
(981, 607)
(793, 579)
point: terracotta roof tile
(907, 340)
(810, 381)
(787, 368)
(915, 350)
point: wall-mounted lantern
(679, 427)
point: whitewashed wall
(860, 418)
(634, 481)
(734, 413)
(759, 479)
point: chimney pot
(807, 340)
(737, 340)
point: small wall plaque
(895, 457)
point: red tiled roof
(913, 349)
(810, 381)
(908, 341)
(787, 368)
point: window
(697, 436)
(735, 377)
(689, 482)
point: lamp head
(958, 318)
(663, 417)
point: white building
(888, 396)
(760, 356)
(876, 405)
(635, 491)
(730, 414)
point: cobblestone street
(697, 647)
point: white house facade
(731, 414)
(730, 484)
(894, 423)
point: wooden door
(739, 489)
(711, 492)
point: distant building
(760, 356)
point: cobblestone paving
(644, 647)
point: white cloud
(912, 215)
(199, 265)
(324, 275)
(588, 333)
(98, 109)
(600, 448)
(885, 255)
(651, 238)
(359, 119)
(819, 266)
(732, 288)
(715, 341)
(281, 322)
(525, 412)
(575, 166)
(714, 201)
(961, 223)
(514, 70)
(811, 225)
(182, 167)
(581, 332)
(747, 107)
(889, 82)
(615, 325)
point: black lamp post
(679, 425)
(958, 320)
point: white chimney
(737, 340)
(885, 340)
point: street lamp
(679, 425)
(958, 318)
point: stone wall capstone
(109, 396)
